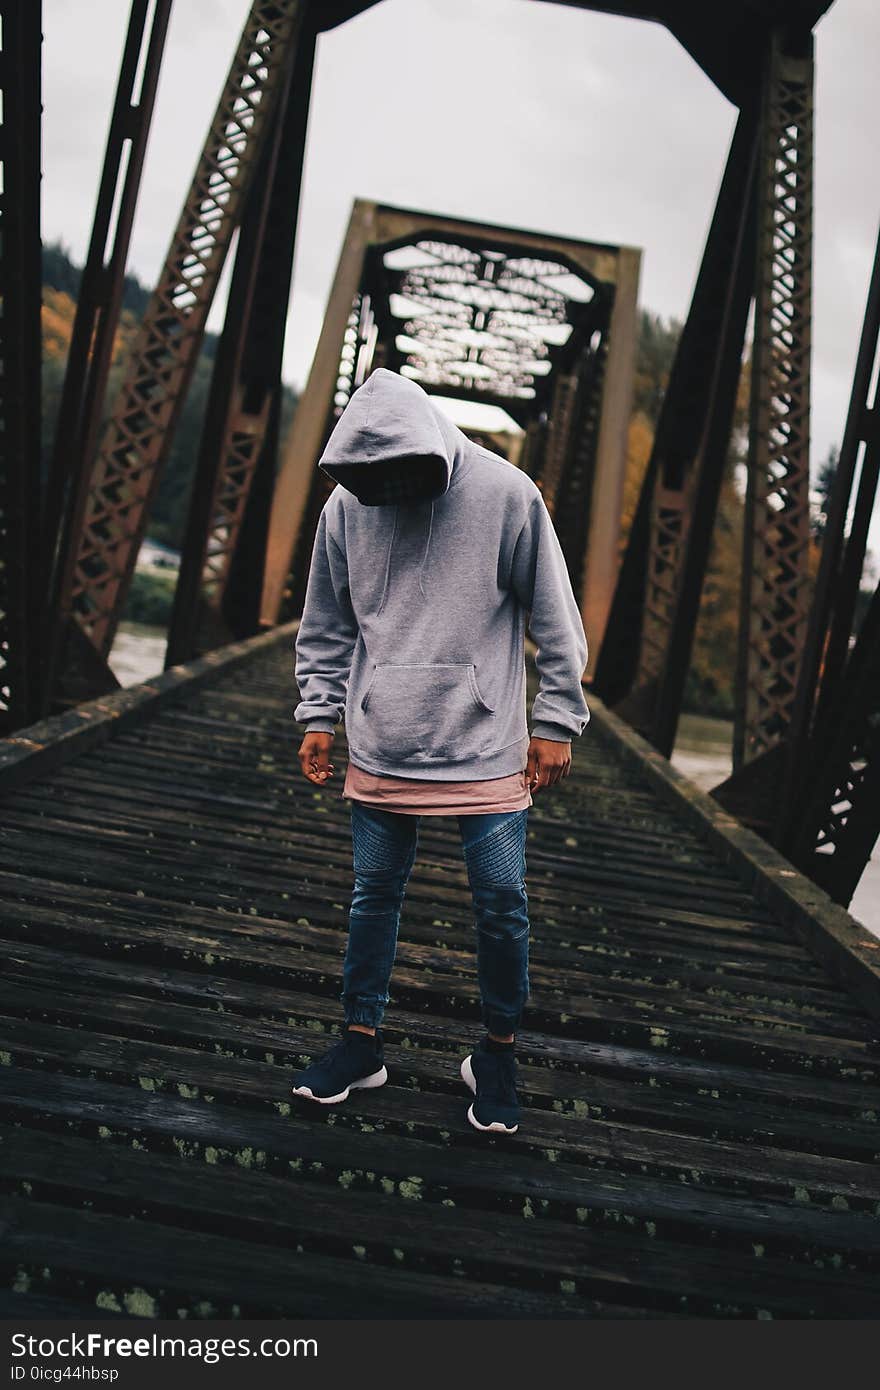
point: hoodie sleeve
(539, 577)
(326, 636)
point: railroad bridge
(701, 1065)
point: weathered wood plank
(534, 1253)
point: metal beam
(707, 478)
(98, 307)
(776, 534)
(600, 558)
(630, 664)
(137, 438)
(20, 289)
(832, 614)
(297, 473)
(458, 253)
(245, 384)
(838, 818)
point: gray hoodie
(415, 609)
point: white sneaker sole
(467, 1076)
(366, 1083)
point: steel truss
(654, 611)
(833, 829)
(220, 583)
(828, 814)
(20, 289)
(775, 596)
(128, 467)
(98, 307)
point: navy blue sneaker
(355, 1063)
(492, 1078)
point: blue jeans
(384, 844)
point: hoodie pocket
(426, 713)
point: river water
(702, 750)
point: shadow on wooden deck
(700, 1067)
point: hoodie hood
(393, 445)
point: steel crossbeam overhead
(126, 472)
(20, 279)
(481, 313)
(99, 302)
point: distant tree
(822, 493)
(657, 345)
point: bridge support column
(653, 613)
(296, 476)
(773, 617)
(220, 583)
(21, 561)
(602, 550)
(102, 549)
(98, 307)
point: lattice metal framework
(573, 503)
(357, 357)
(685, 513)
(775, 598)
(483, 314)
(670, 524)
(648, 592)
(20, 560)
(243, 442)
(245, 384)
(560, 428)
(828, 815)
(138, 434)
(837, 823)
(475, 321)
(98, 307)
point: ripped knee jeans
(384, 845)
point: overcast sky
(519, 112)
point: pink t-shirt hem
(426, 798)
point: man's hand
(547, 762)
(314, 756)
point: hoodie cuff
(319, 726)
(556, 732)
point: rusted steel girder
(94, 327)
(240, 428)
(579, 488)
(773, 616)
(837, 821)
(842, 565)
(20, 289)
(647, 610)
(829, 806)
(137, 438)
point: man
(427, 557)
